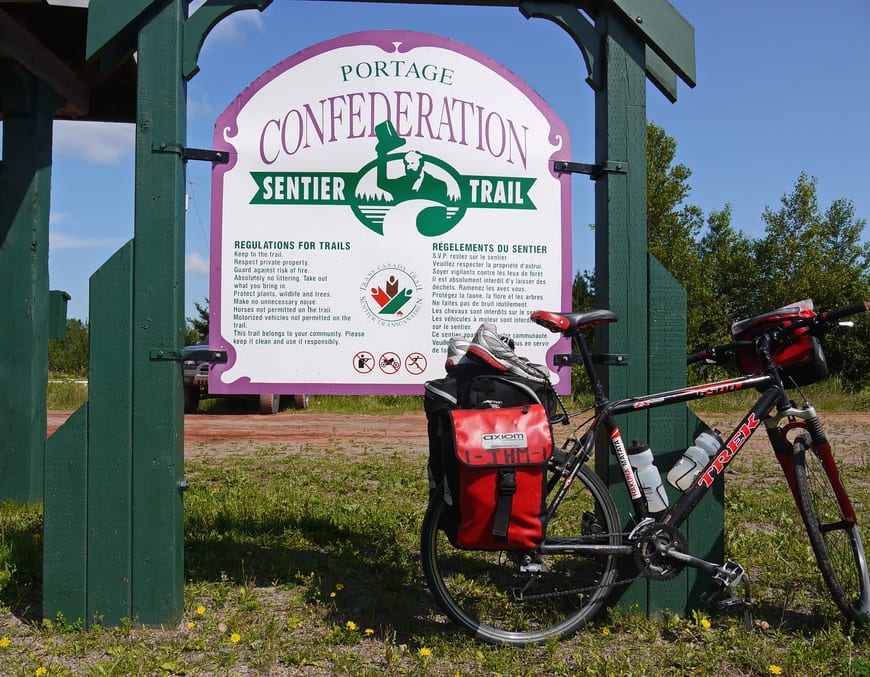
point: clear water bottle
(694, 460)
(641, 458)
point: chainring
(651, 543)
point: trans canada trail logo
(390, 295)
(399, 175)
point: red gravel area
(340, 430)
(203, 431)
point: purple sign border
(226, 124)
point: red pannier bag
(500, 481)
(801, 358)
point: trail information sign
(386, 190)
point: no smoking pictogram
(415, 363)
(363, 362)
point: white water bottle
(694, 460)
(641, 458)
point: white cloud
(58, 218)
(195, 263)
(199, 104)
(63, 241)
(101, 143)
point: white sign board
(387, 190)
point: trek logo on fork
(737, 440)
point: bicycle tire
(475, 588)
(836, 541)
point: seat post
(589, 366)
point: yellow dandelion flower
(191, 625)
(775, 670)
(351, 625)
(339, 586)
(425, 652)
(332, 594)
(369, 631)
(200, 609)
(41, 670)
(605, 631)
(4, 642)
(235, 638)
(705, 624)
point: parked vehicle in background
(196, 389)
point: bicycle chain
(563, 593)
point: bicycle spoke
(525, 597)
(835, 538)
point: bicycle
(527, 597)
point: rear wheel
(833, 533)
(300, 401)
(522, 598)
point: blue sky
(783, 88)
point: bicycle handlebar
(713, 353)
(854, 309)
(818, 323)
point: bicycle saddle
(568, 323)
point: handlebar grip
(834, 315)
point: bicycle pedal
(532, 565)
(533, 568)
(729, 574)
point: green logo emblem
(423, 186)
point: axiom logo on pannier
(515, 440)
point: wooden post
(158, 321)
(25, 186)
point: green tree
(69, 355)
(732, 282)
(806, 253)
(583, 291)
(196, 328)
(674, 227)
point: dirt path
(213, 432)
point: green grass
(304, 559)
(65, 394)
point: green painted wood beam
(665, 31)
(158, 321)
(65, 528)
(588, 40)
(110, 442)
(25, 188)
(109, 19)
(200, 23)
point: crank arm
(692, 561)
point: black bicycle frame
(678, 513)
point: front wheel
(522, 598)
(832, 529)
